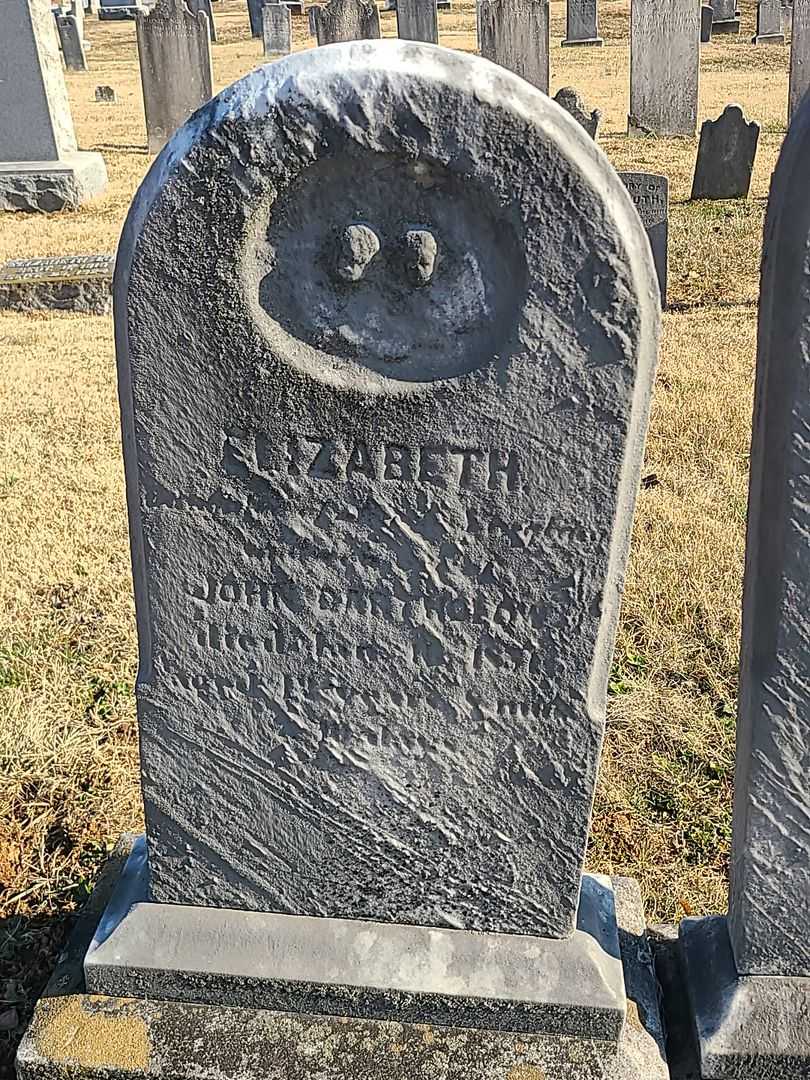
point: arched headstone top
(386, 324)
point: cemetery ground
(68, 740)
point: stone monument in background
(749, 975)
(581, 23)
(174, 53)
(664, 67)
(345, 20)
(725, 17)
(650, 195)
(799, 55)
(515, 34)
(40, 165)
(276, 30)
(377, 571)
(770, 30)
(725, 157)
(70, 40)
(418, 20)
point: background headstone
(255, 17)
(664, 67)
(515, 34)
(345, 20)
(70, 39)
(174, 53)
(418, 20)
(40, 167)
(799, 55)
(706, 19)
(276, 30)
(63, 283)
(581, 23)
(571, 101)
(650, 195)
(725, 157)
(769, 23)
(375, 642)
(205, 6)
(726, 18)
(106, 95)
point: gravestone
(581, 26)
(664, 67)
(276, 30)
(106, 95)
(725, 157)
(206, 7)
(706, 18)
(769, 23)
(726, 17)
(62, 283)
(799, 55)
(571, 101)
(70, 39)
(650, 195)
(171, 40)
(40, 167)
(345, 20)
(418, 20)
(255, 17)
(749, 974)
(515, 34)
(313, 29)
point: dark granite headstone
(706, 20)
(70, 39)
(725, 157)
(571, 101)
(650, 194)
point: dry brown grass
(68, 756)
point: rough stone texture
(35, 120)
(515, 34)
(379, 529)
(276, 30)
(569, 986)
(706, 19)
(105, 95)
(747, 1026)
(650, 195)
(799, 55)
(48, 186)
(581, 25)
(725, 157)
(769, 912)
(769, 23)
(68, 283)
(70, 39)
(664, 67)
(418, 20)
(345, 20)
(174, 53)
(571, 101)
(104, 1038)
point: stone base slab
(768, 39)
(380, 971)
(48, 186)
(597, 41)
(92, 1037)
(748, 1027)
(726, 26)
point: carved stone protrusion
(418, 251)
(357, 246)
(572, 102)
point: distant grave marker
(725, 157)
(571, 101)
(67, 283)
(726, 17)
(345, 20)
(664, 67)
(417, 20)
(515, 34)
(276, 30)
(799, 55)
(105, 95)
(581, 23)
(650, 194)
(70, 39)
(769, 23)
(706, 17)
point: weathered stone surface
(570, 100)
(276, 30)
(747, 1027)
(35, 121)
(706, 19)
(769, 913)
(515, 34)
(48, 186)
(726, 17)
(66, 283)
(379, 528)
(581, 23)
(105, 95)
(569, 986)
(70, 39)
(418, 20)
(93, 1037)
(769, 23)
(174, 53)
(725, 157)
(664, 67)
(650, 195)
(799, 55)
(345, 20)
(208, 10)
